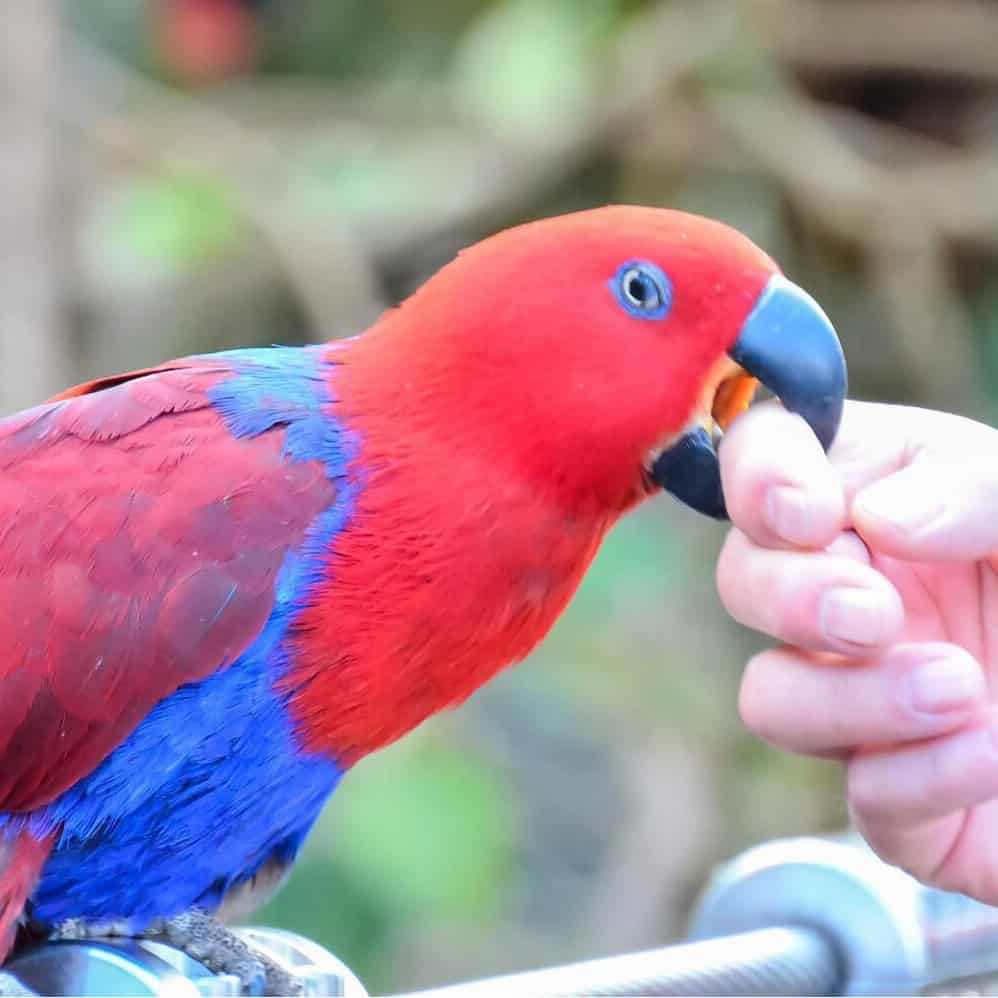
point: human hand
(876, 566)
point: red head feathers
(506, 415)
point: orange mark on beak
(727, 393)
(733, 396)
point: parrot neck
(460, 383)
(449, 570)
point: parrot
(227, 579)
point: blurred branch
(665, 780)
(899, 218)
(953, 37)
(847, 173)
(33, 342)
(913, 272)
(897, 197)
(156, 125)
(324, 263)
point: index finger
(779, 486)
(877, 439)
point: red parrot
(225, 580)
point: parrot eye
(642, 290)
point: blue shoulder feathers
(212, 785)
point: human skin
(875, 569)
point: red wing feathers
(139, 545)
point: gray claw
(218, 948)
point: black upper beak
(788, 343)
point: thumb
(935, 509)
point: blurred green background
(187, 175)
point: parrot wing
(140, 541)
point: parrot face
(602, 352)
(788, 344)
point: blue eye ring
(642, 290)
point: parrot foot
(11, 987)
(207, 940)
(204, 939)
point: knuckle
(730, 568)
(792, 605)
(864, 794)
(754, 701)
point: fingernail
(897, 503)
(789, 513)
(945, 684)
(856, 616)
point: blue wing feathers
(212, 784)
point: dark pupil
(640, 290)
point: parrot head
(603, 353)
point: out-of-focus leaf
(524, 68)
(154, 227)
(119, 27)
(382, 41)
(325, 904)
(639, 557)
(425, 828)
(744, 67)
(613, 646)
(397, 183)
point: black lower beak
(788, 343)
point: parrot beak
(788, 344)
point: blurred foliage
(225, 172)
(423, 827)
(165, 225)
